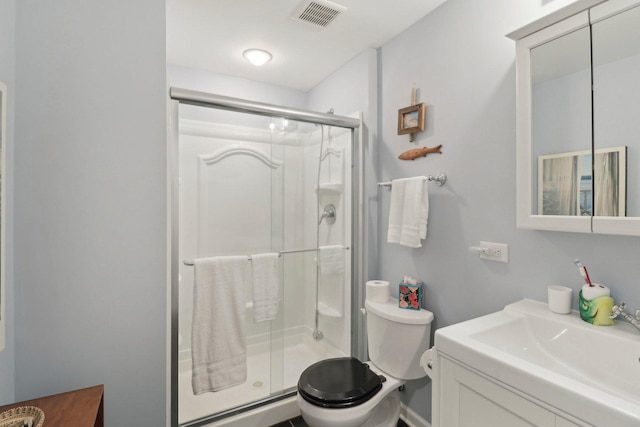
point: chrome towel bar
(346, 248)
(440, 179)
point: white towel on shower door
(266, 286)
(408, 212)
(218, 348)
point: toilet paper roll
(595, 291)
(426, 361)
(377, 291)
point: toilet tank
(397, 337)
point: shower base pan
(300, 351)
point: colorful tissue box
(410, 296)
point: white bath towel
(266, 286)
(409, 211)
(331, 260)
(218, 348)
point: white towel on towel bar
(218, 348)
(266, 286)
(408, 212)
(331, 260)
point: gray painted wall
(464, 67)
(91, 201)
(7, 76)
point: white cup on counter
(559, 299)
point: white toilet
(345, 392)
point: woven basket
(21, 416)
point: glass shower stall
(250, 180)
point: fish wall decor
(419, 152)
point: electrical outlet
(495, 251)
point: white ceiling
(212, 34)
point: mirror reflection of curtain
(560, 186)
(606, 185)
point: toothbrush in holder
(583, 271)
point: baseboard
(412, 418)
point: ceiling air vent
(319, 13)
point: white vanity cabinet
(526, 366)
(464, 398)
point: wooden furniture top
(78, 408)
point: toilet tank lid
(390, 311)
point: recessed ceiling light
(257, 57)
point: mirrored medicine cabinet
(578, 119)
(3, 209)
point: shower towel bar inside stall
(190, 263)
(440, 179)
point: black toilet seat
(342, 382)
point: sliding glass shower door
(251, 184)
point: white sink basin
(590, 372)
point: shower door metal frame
(189, 97)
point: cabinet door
(616, 90)
(553, 133)
(468, 400)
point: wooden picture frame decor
(411, 119)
